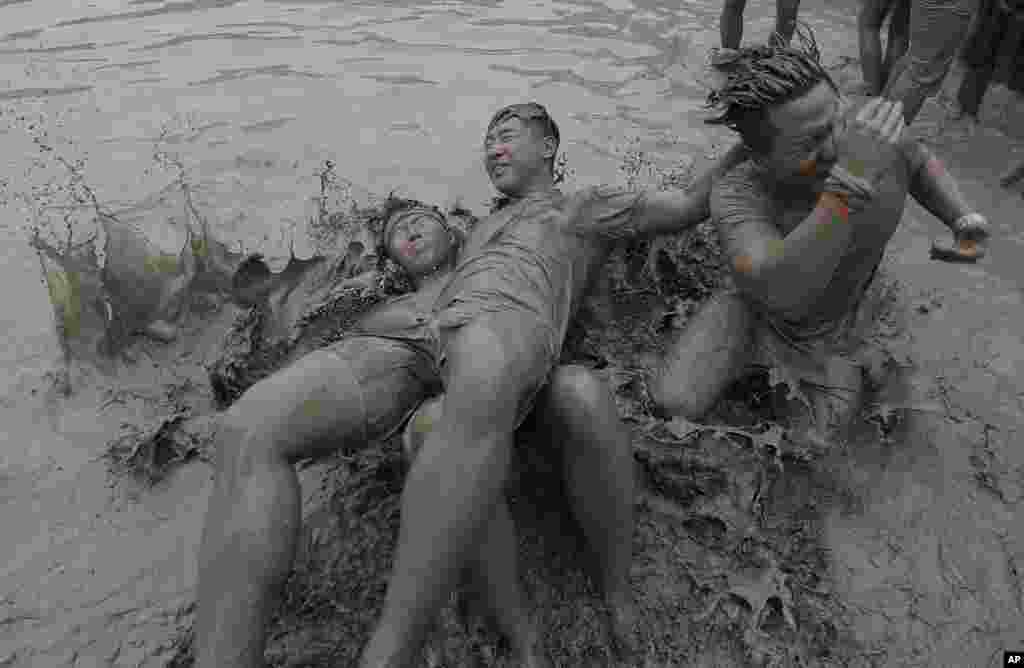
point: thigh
(711, 352)
(494, 366)
(340, 397)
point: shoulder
(604, 210)
(742, 187)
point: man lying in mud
(422, 244)
(804, 223)
(488, 332)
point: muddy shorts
(397, 365)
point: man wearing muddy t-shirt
(804, 224)
(488, 333)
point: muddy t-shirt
(533, 255)
(745, 196)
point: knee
(577, 385)
(671, 398)
(245, 439)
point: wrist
(835, 202)
(971, 220)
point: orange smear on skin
(743, 264)
(968, 247)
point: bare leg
(869, 23)
(494, 572)
(834, 407)
(899, 38)
(709, 354)
(785, 20)
(731, 24)
(456, 480)
(598, 467)
(937, 29)
(248, 545)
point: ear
(550, 147)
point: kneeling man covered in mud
(804, 223)
(487, 329)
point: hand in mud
(970, 241)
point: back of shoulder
(741, 187)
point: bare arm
(674, 211)
(785, 274)
(934, 188)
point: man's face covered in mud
(419, 240)
(807, 131)
(518, 153)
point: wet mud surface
(905, 551)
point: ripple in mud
(88, 46)
(169, 8)
(185, 39)
(23, 34)
(246, 72)
(22, 93)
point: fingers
(960, 251)
(892, 126)
(883, 117)
(869, 110)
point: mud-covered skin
(314, 302)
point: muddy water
(254, 96)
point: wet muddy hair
(758, 78)
(393, 206)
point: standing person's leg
(869, 25)
(597, 456)
(340, 397)
(982, 57)
(899, 38)
(937, 29)
(494, 366)
(785, 20)
(731, 23)
(710, 353)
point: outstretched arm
(674, 211)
